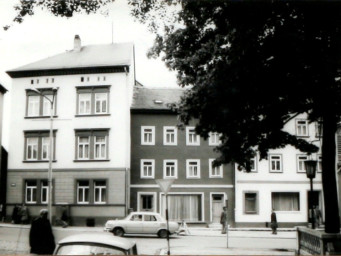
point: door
(146, 203)
(150, 224)
(217, 207)
(135, 224)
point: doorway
(218, 203)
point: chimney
(77, 44)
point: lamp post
(49, 175)
(310, 167)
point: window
(193, 168)
(37, 145)
(92, 144)
(83, 188)
(300, 163)
(148, 135)
(214, 139)
(169, 135)
(250, 202)
(192, 139)
(170, 169)
(100, 192)
(319, 163)
(318, 129)
(91, 191)
(36, 192)
(39, 105)
(215, 172)
(93, 100)
(147, 168)
(301, 127)
(285, 201)
(276, 163)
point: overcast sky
(45, 35)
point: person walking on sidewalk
(274, 224)
(41, 236)
(223, 220)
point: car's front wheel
(118, 232)
(162, 233)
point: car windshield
(89, 249)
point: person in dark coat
(24, 214)
(15, 215)
(274, 224)
(41, 235)
(223, 220)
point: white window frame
(46, 111)
(143, 164)
(105, 99)
(84, 101)
(46, 188)
(192, 139)
(280, 161)
(29, 190)
(82, 189)
(100, 189)
(190, 168)
(214, 139)
(217, 169)
(100, 144)
(46, 145)
(33, 146)
(81, 147)
(33, 105)
(166, 133)
(165, 162)
(300, 159)
(300, 127)
(143, 141)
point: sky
(44, 35)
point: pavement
(201, 233)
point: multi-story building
(91, 87)
(160, 150)
(280, 183)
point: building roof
(154, 99)
(92, 56)
(3, 90)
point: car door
(150, 224)
(134, 225)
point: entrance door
(147, 203)
(217, 207)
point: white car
(95, 244)
(141, 223)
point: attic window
(158, 101)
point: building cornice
(68, 71)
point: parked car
(95, 244)
(141, 223)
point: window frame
(92, 91)
(188, 168)
(142, 165)
(319, 163)
(39, 190)
(101, 187)
(190, 131)
(143, 141)
(165, 162)
(210, 167)
(40, 102)
(84, 187)
(298, 127)
(256, 212)
(299, 161)
(286, 192)
(39, 136)
(174, 132)
(280, 161)
(216, 141)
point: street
(14, 240)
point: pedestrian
(183, 228)
(41, 235)
(317, 216)
(223, 220)
(274, 224)
(15, 214)
(64, 218)
(24, 215)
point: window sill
(303, 136)
(250, 213)
(39, 117)
(147, 178)
(192, 178)
(192, 144)
(92, 115)
(38, 161)
(275, 171)
(216, 177)
(92, 160)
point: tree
(252, 66)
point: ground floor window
(286, 201)
(91, 191)
(36, 191)
(250, 202)
(183, 207)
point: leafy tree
(252, 66)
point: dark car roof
(98, 238)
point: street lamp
(310, 167)
(54, 89)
